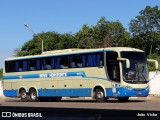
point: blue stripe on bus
(82, 92)
(10, 93)
(68, 74)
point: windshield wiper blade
(143, 76)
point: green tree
(51, 41)
(120, 37)
(103, 34)
(152, 65)
(1, 73)
(145, 29)
(85, 38)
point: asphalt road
(86, 108)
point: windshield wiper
(143, 76)
(139, 71)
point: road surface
(86, 108)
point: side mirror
(127, 61)
(156, 62)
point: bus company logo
(6, 114)
(51, 75)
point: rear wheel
(123, 99)
(24, 96)
(100, 96)
(33, 95)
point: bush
(151, 66)
(1, 73)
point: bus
(103, 73)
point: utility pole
(27, 26)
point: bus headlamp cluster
(128, 87)
(147, 87)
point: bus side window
(64, 62)
(25, 64)
(94, 59)
(48, 63)
(57, 63)
(78, 60)
(19, 66)
(32, 65)
(72, 61)
(11, 66)
(6, 66)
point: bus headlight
(128, 87)
(147, 87)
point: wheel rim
(33, 96)
(100, 94)
(24, 95)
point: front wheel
(100, 96)
(33, 95)
(123, 99)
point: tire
(24, 96)
(55, 99)
(33, 95)
(100, 96)
(123, 99)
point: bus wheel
(33, 95)
(100, 96)
(24, 96)
(123, 99)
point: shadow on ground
(76, 100)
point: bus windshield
(138, 71)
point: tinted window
(112, 65)
(60, 62)
(10, 66)
(134, 55)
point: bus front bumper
(125, 92)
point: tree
(1, 73)
(51, 41)
(85, 38)
(103, 34)
(120, 37)
(145, 29)
(112, 34)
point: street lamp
(27, 26)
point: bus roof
(74, 51)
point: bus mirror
(155, 61)
(127, 61)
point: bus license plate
(139, 93)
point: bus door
(113, 71)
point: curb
(154, 95)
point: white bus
(115, 72)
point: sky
(62, 16)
